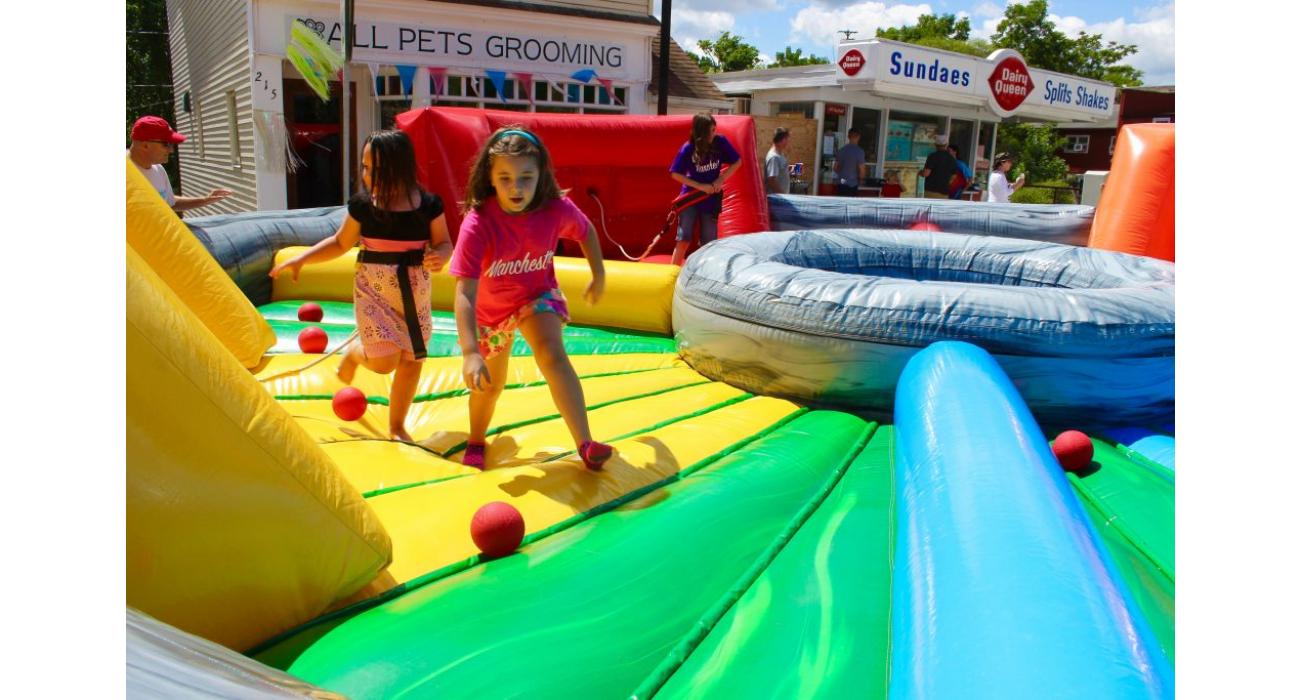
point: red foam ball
(349, 403)
(497, 529)
(924, 226)
(311, 312)
(313, 339)
(1073, 450)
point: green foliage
(795, 57)
(1034, 147)
(944, 32)
(727, 53)
(927, 27)
(1026, 28)
(149, 67)
(1032, 195)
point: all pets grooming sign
(512, 46)
(1002, 83)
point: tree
(945, 32)
(1035, 147)
(1027, 29)
(149, 67)
(727, 53)
(795, 57)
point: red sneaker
(595, 454)
(474, 456)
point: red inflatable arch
(621, 160)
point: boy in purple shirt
(703, 163)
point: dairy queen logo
(1010, 83)
(852, 62)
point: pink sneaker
(474, 455)
(595, 454)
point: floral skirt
(381, 319)
(494, 339)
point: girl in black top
(404, 239)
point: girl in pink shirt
(515, 216)
(404, 239)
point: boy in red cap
(152, 143)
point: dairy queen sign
(1009, 82)
(1003, 82)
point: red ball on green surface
(313, 339)
(924, 226)
(349, 403)
(497, 529)
(1073, 450)
(311, 312)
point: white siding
(640, 8)
(210, 57)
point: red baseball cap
(154, 129)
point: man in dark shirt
(939, 169)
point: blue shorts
(686, 224)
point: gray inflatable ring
(830, 317)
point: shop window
(743, 105)
(909, 140)
(1162, 120)
(867, 122)
(232, 125)
(1077, 143)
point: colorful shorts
(494, 339)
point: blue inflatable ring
(830, 317)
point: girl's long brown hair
(392, 168)
(701, 144)
(499, 143)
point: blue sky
(810, 25)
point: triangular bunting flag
(585, 75)
(609, 89)
(420, 95)
(499, 80)
(376, 78)
(526, 81)
(407, 74)
(439, 78)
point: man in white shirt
(776, 168)
(152, 143)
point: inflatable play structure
(833, 472)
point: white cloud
(689, 26)
(986, 9)
(818, 24)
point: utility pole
(665, 40)
(346, 9)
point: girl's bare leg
(356, 355)
(482, 404)
(679, 252)
(544, 333)
(405, 380)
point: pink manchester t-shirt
(511, 255)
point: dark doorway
(314, 130)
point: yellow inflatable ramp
(177, 257)
(238, 526)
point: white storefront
(235, 86)
(901, 96)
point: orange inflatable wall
(1136, 211)
(622, 159)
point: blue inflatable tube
(245, 244)
(1001, 589)
(831, 317)
(1058, 223)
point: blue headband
(516, 132)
